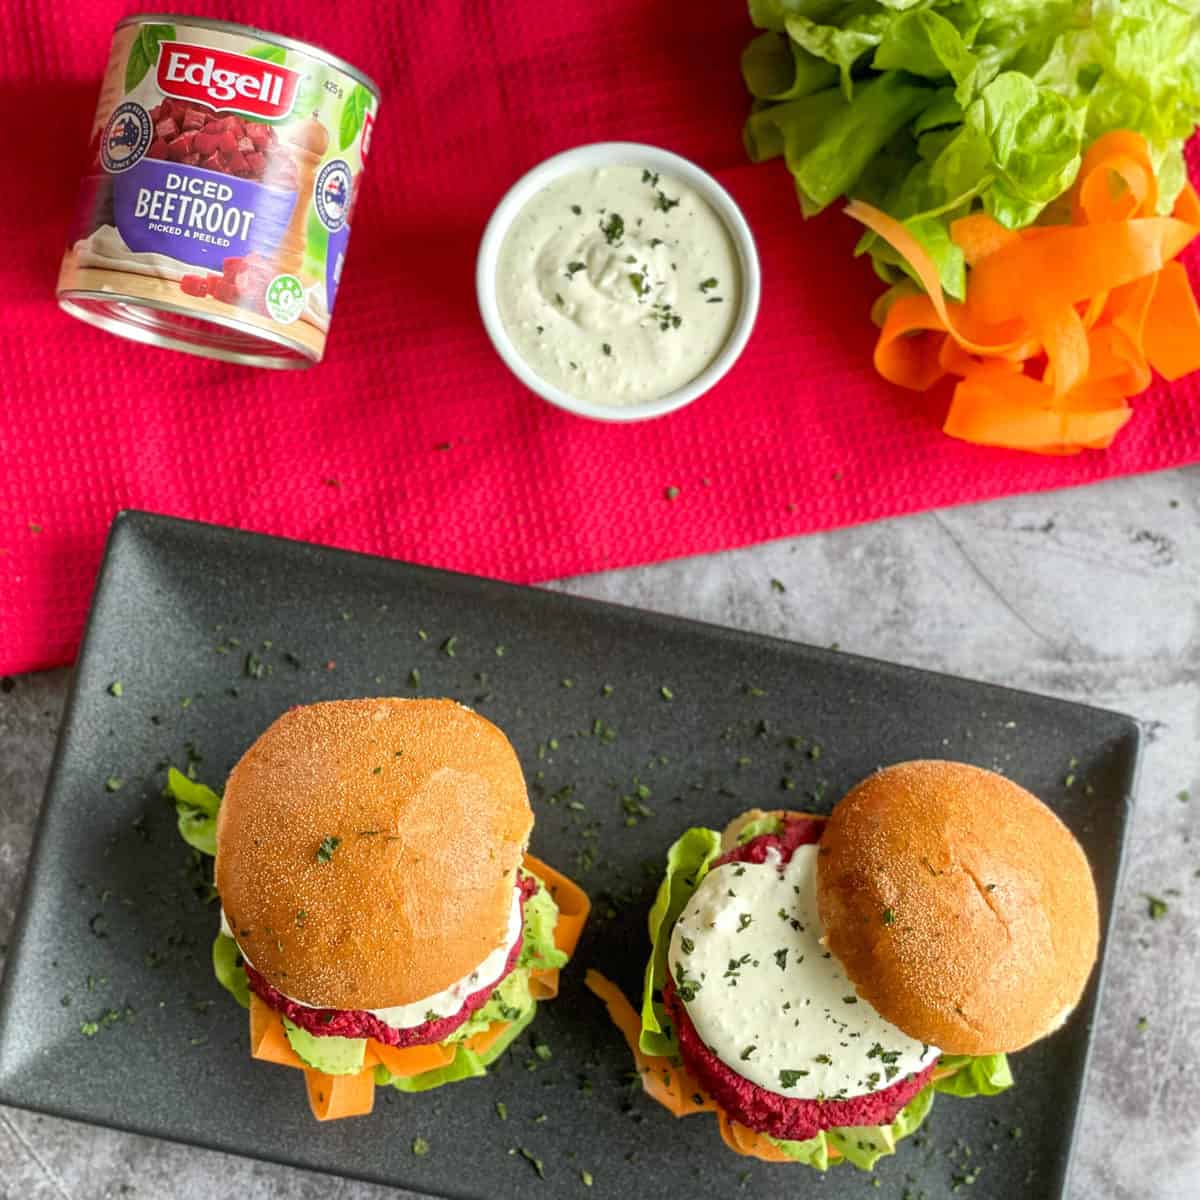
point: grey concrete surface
(1091, 594)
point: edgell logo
(225, 80)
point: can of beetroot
(216, 209)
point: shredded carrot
(268, 1042)
(543, 983)
(406, 1061)
(480, 1043)
(1062, 324)
(334, 1096)
(573, 908)
(669, 1083)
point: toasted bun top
(428, 802)
(961, 907)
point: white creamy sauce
(446, 1002)
(618, 285)
(766, 996)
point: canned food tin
(216, 210)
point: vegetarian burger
(380, 914)
(814, 981)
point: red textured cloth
(800, 436)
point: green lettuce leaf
(842, 44)
(813, 1152)
(688, 861)
(466, 1065)
(853, 136)
(511, 1001)
(752, 829)
(541, 916)
(196, 807)
(864, 1146)
(332, 1055)
(1036, 140)
(923, 42)
(1021, 88)
(776, 68)
(228, 968)
(983, 1076)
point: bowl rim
(633, 154)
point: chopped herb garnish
(327, 847)
(573, 268)
(116, 688)
(420, 1147)
(577, 210)
(448, 646)
(376, 770)
(664, 203)
(745, 1054)
(637, 280)
(889, 916)
(650, 177)
(744, 921)
(114, 783)
(671, 493)
(789, 1079)
(301, 916)
(613, 228)
(708, 284)
(781, 959)
(687, 944)
(502, 1110)
(606, 349)
(585, 1177)
(414, 678)
(1155, 907)
(535, 1162)
(849, 999)
(1142, 1025)
(666, 692)
(825, 1059)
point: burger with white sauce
(380, 914)
(815, 981)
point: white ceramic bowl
(608, 154)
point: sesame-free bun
(960, 906)
(429, 803)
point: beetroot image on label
(225, 169)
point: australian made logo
(224, 80)
(126, 137)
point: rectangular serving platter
(213, 632)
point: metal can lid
(273, 39)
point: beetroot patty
(746, 1102)
(357, 1023)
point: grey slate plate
(212, 633)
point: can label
(223, 178)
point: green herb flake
(116, 688)
(889, 916)
(448, 647)
(577, 210)
(789, 1079)
(1142, 1025)
(666, 693)
(606, 349)
(502, 1110)
(686, 944)
(532, 1159)
(664, 203)
(585, 1177)
(420, 1146)
(414, 678)
(327, 847)
(781, 959)
(671, 493)
(301, 916)
(745, 1054)
(708, 284)
(1155, 908)
(745, 920)
(613, 228)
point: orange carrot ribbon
(1062, 324)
